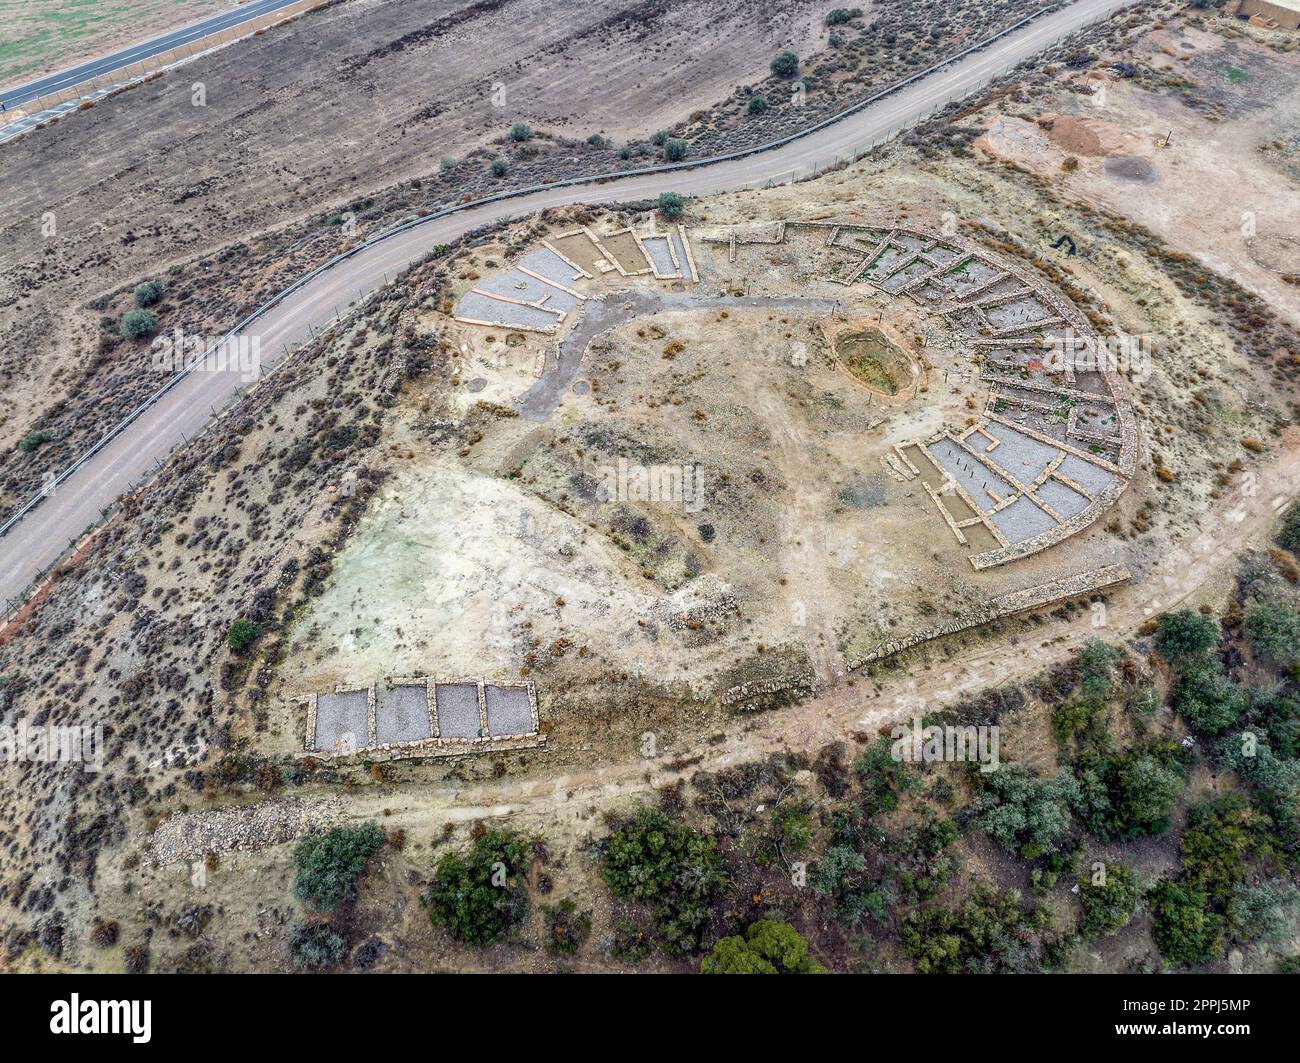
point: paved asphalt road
(107, 64)
(39, 539)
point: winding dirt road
(44, 534)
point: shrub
(597, 141)
(1274, 632)
(1095, 663)
(1184, 636)
(138, 323)
(628, 942)
(785, 64)
(883, 778)
(674, 149)
(840, 15)
(671, 205)
(658, 137)
(1184, 928)
(447, 163)
(1127, 795)
(566, 927)
(104, 933)
(136, 958)
(1220, 834)
(1109, 904)
(662, 862)
(991, 933)
(521, 131)
(1264, 912)
(1024, 814)
(1288, 536)
(240, 634)
(1208, 699)
(328, 864)
(767, 947)
(479, 898)
(829, 873)
(499, 168)
(791, 833)
(147, 294)
(314, 946)
(34, 439)
(757, 104)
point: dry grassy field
(41, 36)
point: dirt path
(802, 522)
(184, 411)
(1243, 519)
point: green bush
(829, 871)
(1265, 911)
(658, 137)
(1208, 699)
(757, 104)
(521, 131)
(147, 294)
(1126, 795)
(139, 323)
(1288, 535)
(671, 205)
(1274, 631)
(327, 865)
(674, 149)
(499, 168)
(840, 15)
(767, 947)
(1110, 904)
(34, 439)
(1095, 662)
(916, 858)
(1184, 928)
(240, 634)
(314, 946)
(989, 934)
(479, 898)
(597, 141)
(662, 862)
(1221, 833)
(1184, 636)
(883, 779)
(785, 64)
(1024, 814)
(1274, 783)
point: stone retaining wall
(436, 745)
(1003, 606)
